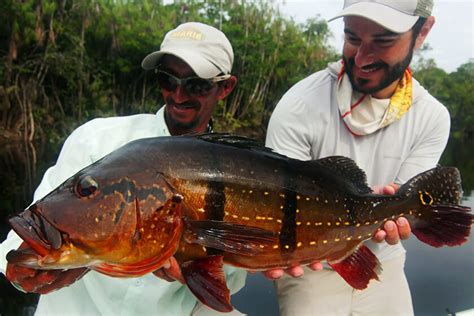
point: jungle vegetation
(64, 62)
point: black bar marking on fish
(288, 228)
(215, 203)
(215, 200)
(287, 237)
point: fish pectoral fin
(229, 237)
(359, 268)
(206, 279)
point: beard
(181, 126)
(176, 124)
(392, 73)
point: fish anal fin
(206, 279)
(229, 237)
(359, 268)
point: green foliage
(82, 58)
(65, 62)
(454, 90)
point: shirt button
(138, 282)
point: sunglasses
(195, 86)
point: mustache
(378, 64)
(169, 100)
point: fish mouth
(36, 231)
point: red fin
(443, 225)
(359, 268)
(229, 237)
(206, 280)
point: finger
(162, 275)
(391, 189)
(16, 272)
(404, 228)
(316, 266)
(273, 274)
(378, 189)
(295, 271)
(379, 236)
(41, 279)
(64, 278)
(174, 271)
(392, 237)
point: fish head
(99, 216)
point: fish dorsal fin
(442, 183)
(346, 168)
(233, 140)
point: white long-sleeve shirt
(306, 125)
(97, 294)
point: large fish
(214, 199)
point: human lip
(184, 106)
(369, 69)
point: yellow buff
(401, 100)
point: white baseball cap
(204, 48)
(398, 16)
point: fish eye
(426, 198)
(86, 186)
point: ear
(425, 30)
(226, 87)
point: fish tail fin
(440, 220)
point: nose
(364, 56)
(180, 95)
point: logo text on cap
(187, 34)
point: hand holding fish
(170, 271)
(41, 281)
(392, 231)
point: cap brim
(383, 15)
(201, 66)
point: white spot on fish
(375, 203)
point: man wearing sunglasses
(193, 69)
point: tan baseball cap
(398, 16)
(204, 48)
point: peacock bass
(217, 199)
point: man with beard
(193, 69)
(369, 108)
